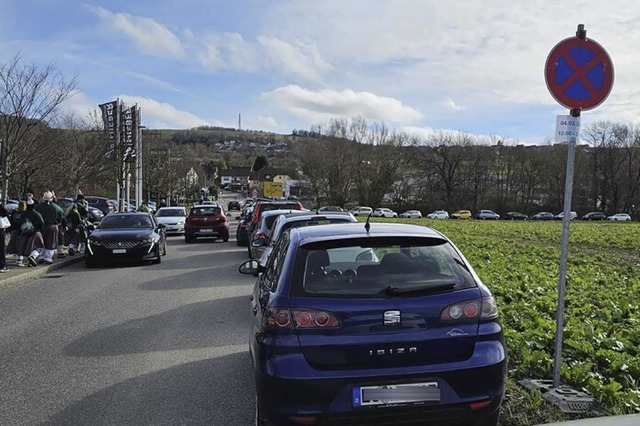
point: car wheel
(187, 240)
(90, 262)
(158, 258)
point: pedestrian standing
(31, 243)
(15, 219)
(52, 215)
(74, 221)
(3, 256)
(62, 230)
(83, 210)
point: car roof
(269, 213)
(172, 208)
(357, 230)
(209, 205)
(311, 214)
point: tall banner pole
(138, 154)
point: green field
(519, 262)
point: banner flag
(129, 134)
(110, 120)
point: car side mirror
(258, 242)
(161, 226)
(251, 267)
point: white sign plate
(567, 128)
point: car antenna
(367, 225)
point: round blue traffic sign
(579, 73)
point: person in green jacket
(30, 243)
(52, 214)
(143, 207)
(74, 220)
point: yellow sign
(273, 189)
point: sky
(418, 66)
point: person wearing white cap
(52, 215)
(30, 242)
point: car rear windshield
(170, 212)
(206, 211)
(378, 268)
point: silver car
(294, 220)
(173, 218)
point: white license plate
(119, 251)
(366, 396)
(206, 230)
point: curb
(36, 272)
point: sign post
(579, 75)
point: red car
(206, 221)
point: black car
(94, 215)
(101, 203)
(233, 205)
(126, 237)
(515, 216)
(594, 216)
(542, 216)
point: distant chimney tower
(239, 121)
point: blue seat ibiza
(367, 324)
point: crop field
(519, 262)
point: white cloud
(227, 51)
(163, 114)
(321, 105)
(268, 122)
(451, 105)
(302, 61)
(150, 37)
(79, 104)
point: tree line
(353, 161)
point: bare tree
(30, 96)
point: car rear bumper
(206, 231)
(287, 385)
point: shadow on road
(197, 393)
(197, 325)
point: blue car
(379, 323)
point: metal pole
(564, 248)
(139, 158)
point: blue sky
(416, 65)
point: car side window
(276, 262)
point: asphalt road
(159, 344)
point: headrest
(318, 259)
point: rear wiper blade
(391, 291)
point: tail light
(301, 319)
(483, 308)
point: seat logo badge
(392, 318)
(119, 244)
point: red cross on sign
(579, 73)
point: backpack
(27, 227)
